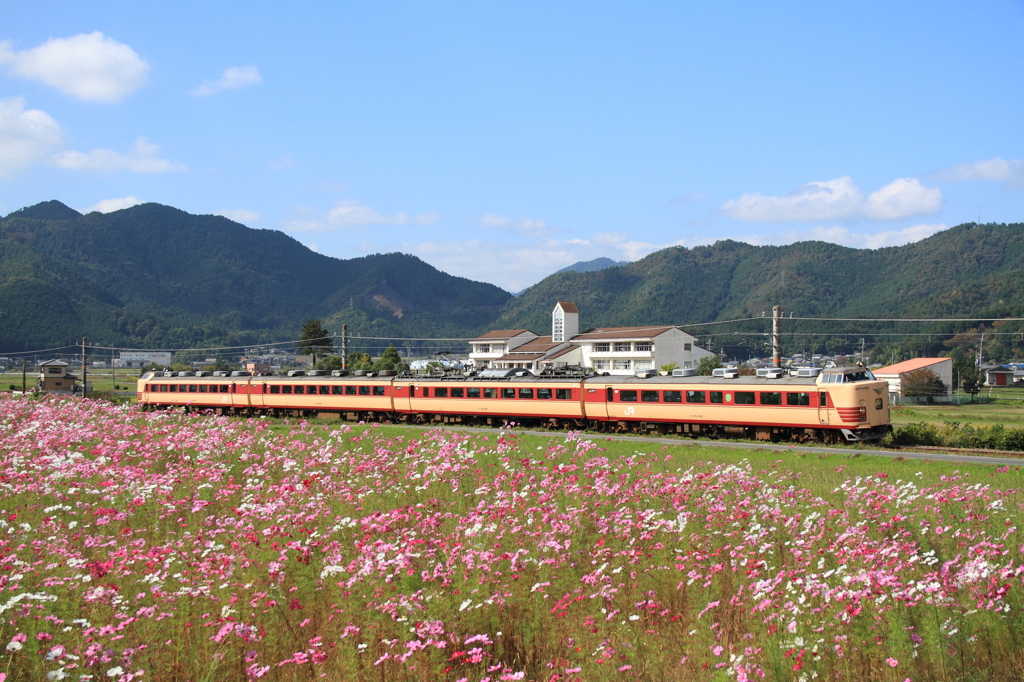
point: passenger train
(831, 405)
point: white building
(139, 359)
(615, 350)
(627, 350)
(493, 345)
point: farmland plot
(168, 546)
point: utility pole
(344, 346)
(85, 368)
(24, 378)
(981, 345)
(776, 342)
(113, 368)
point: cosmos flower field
(165, 546)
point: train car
(840, 404)
(349, 397)
(194, 390)
(555, 402)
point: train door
(823, 407)
(256, 392)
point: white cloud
(88, 66)
(1009, 172)
(495, 221)
(111, 205)
(143, 158)
(838, 199)
(351, 214)
(901, 199)
(234, 78)
(844, 237)
(26, 136)
(239, 215)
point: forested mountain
(154, 276)
(971, 270)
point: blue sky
(503, 141)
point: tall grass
(166, 546)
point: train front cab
(858, 403)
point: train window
(163, 388)
(508, 393)
(202, 388)
(695, 396)
(672, 396)
(563, 394)
(441, 392)
(543, 394)
(325, 390)
(364, 390)
(192, 388)
(648, 396)
(378, 390)
(275, 389)
(526, 393)
(301, 390)
(610, 396)
(287, 390)
(225, 388)
(771, 398)
(490, 393)
(458, 392)
(472, 392)
(350, 390)
(337, 390)
(174, 388)
(878, 403)
(797, 399)
(822, 399)
(716, 397)
(743, 397)
(627, 396)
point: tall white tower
(565, 321)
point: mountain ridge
(153, 275)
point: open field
(100, 379)
(167, 546)
(1004, 413)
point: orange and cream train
(839, 404)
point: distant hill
(155, 276)
(592, 265)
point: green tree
(359, 360)
(922, 383)
(390, 360)
(966, 373)
(669, 367)
(331, 362)
(707, 364)
(315, 339)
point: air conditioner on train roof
(725, 372)
(685, 372)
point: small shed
(997, 375)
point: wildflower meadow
(166, 546)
